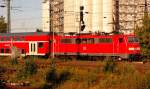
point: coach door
(32, 48)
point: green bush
(64, 75)
(51, 76)
(54, 78)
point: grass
(95, 75)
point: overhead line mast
(8, 16)
(117, 25)
(146, 7)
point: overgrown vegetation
(102, 75)
(2, 80)
(30, 68)
(53, 78)
(143, 32)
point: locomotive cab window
(120, 40)
(40, 44)
(133, 39)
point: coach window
(2, 50)
(2, 39)
(23, 39)
(40, 44)
(7, 38)
(120, 40)
(17, 38)
(22, 51)
(7, 50)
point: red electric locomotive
(119, 46)
(93, 45)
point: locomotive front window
(133, 39)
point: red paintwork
(97, 49)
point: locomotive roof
(48, 33)
(24, 34)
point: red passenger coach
(27, 43)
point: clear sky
(26, 15)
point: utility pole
(117, 25)
(146, 7)
(8, 17)
(51, 28)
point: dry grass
(83, 74)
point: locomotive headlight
(131, 49)
(138, 48)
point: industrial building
(64, 16)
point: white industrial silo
(98, 15)
(45, 16)
(71, 15)
(97, 20)
(107, 16)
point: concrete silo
(97, 20)
(98, 15)
(107, 16)
(102, 16)
(72, 15)
(45, 16)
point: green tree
(143, 32)
(3, 25)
